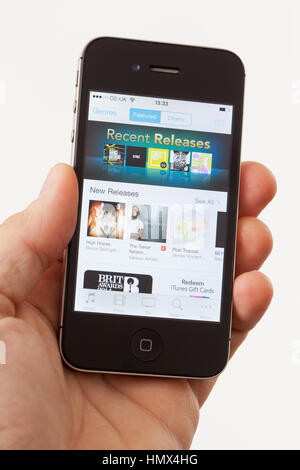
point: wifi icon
(132, 99)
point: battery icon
(222, 109)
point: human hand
(45, 405)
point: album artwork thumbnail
(158, 158)
(136, 156)
(180, 161)
(148, 223)
(106, 219)
(201, 163)
(113, 154)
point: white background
(256, 401)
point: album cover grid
(144, 222)
(155, 158)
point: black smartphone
(149, 271)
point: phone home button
(146, 345)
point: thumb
(31, 240)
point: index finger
(32, 240)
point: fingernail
(49, 181)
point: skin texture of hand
(43, 404)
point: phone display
(155, 186)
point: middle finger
(254, 244)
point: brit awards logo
(118, 282)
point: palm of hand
(46, 405)
(52, 406)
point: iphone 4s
(156, 149)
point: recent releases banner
(118, 282)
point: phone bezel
(101, 342)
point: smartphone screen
(153, 212)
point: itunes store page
(154, 207)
